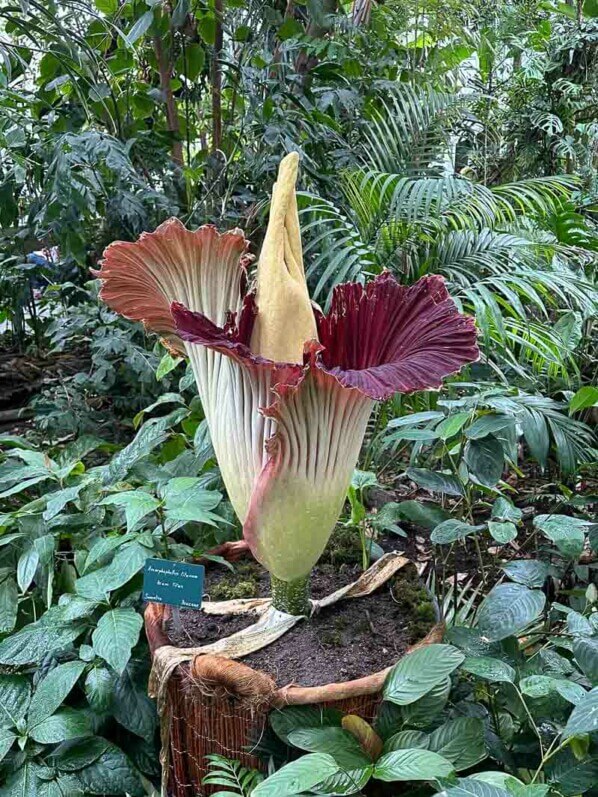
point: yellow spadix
(285, 318)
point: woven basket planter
(216, 705)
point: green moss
(415, 600)
(243, 583)
(226, 591)
(332, 638)
(344, 547)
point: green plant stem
(291, 597)
(531, 719)
(552, 751)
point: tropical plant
(404, 209)
(373, 343)
(517, 684)
(74, 538)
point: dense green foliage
(435, 138)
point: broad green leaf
(107, 6)
(567, 533)
(99, 688)
(415, 419)
(347, 780)
(452, 530)
(7, 738)
(570, 691)
(535, 430)
(45, 547)
(471, 641)
(488, 424)
(194, 507)
(298, 776)
(104, 546)
(337, 742)
(585, 650)
(111, 773)
(404, 740)
(461, 741)
(24, 484)
(493, 670)
(425, 435)
(15, 694)
(26, 567)
(386, 518)
(502, 532)
(537, 685)
(167, 364)
(585, 397)
(421, 513)
(503, 509)
(419, 672)
(165, 398)
(32, 642)
(508, 609)
(9, 604)
(136, 503)
(7, 539)
(132, 708)
(24, 781)
(500, 779)
(14, 441)
(485, 459)
(570, 776)
(116, 634)
(354, 766)
(578, 625)
(52, 691)
(413, 764)
(127, 563)
(66, 723)
(140, 28)
(77, 753)
(528, 790)
(58, 500)
(363, 478)
(293, 718)
(152, 434)
(530, 572)
(427, 708)
(186, 501)
(451, 425)
(474, 787)
(436, 482)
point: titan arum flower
(287, 390)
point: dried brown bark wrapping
(219, 705)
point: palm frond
(334, 246)
(409, 132)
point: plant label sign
(174, 583)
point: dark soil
(22, 375)
(354, 638)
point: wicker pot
(217, 705)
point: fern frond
(232, 775)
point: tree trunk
(217, 81)
(361, 13)
(172, 114)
